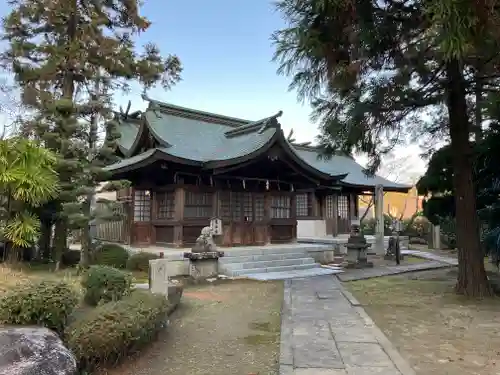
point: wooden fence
(116, 230)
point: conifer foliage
(69, 57)
(381, 72)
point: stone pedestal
(160, 283)
(379, 216)
(357, 249)
(204, 265)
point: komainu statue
(205, 242)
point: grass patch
(436, 330)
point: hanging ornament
(267, 184)
(291, 188)
(198, 181)
(278, 185)
(211, 181)
(175, 177)
(244, 186)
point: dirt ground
(439, 332)
(229, 329)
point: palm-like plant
(27, 180)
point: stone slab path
(431, 256)
(369, 273)
(325, 332)
(316, 271)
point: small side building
(188, 166)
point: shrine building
(187, 167)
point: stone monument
(393, 247)
(357, 244)
(160, 283)
(204, 256)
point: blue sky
(226, 53)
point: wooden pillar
(153, 211)
(353, 214)
(267, 213)
(293, 215)
(335, 214)
(179, 215)
(315, 205)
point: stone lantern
(357, 244)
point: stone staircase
(267, 259)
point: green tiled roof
(203, 141)
(201, 138)
(343, 164)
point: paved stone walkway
(434, 262)
(325, 332)
(431, 256)
(369, 273)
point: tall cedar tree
(375, 70)
(69, 56)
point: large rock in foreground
(33, 351)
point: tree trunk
(60, 241)
(44, 240)
(478, 110)
(472, 280)
(86, 239)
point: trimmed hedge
(115, 330)
(45, 303)
(71, 258)
(112, 255)
(140, 261)
(105, 284)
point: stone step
(260, 257)
(309, 272)
(269, 263)
(266, 250)
(252, 271)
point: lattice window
(142, 205)
(246, 199)
(225, 205)
(303, 204)
(260, 207)
(236, 206)
(165, 205)
(330, 206)
(343, 206)
(281, 207)
(198, 205)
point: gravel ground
(226, 329)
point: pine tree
(374, 70)
(59, 50)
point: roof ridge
(260, 126)
(195, 114)
(307, 147)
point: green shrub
(111, 255)
(140, 261)
(71, 258)
(104, 283)
(44, 303)
(115, 330)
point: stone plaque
(158, 276)
(216, 226)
